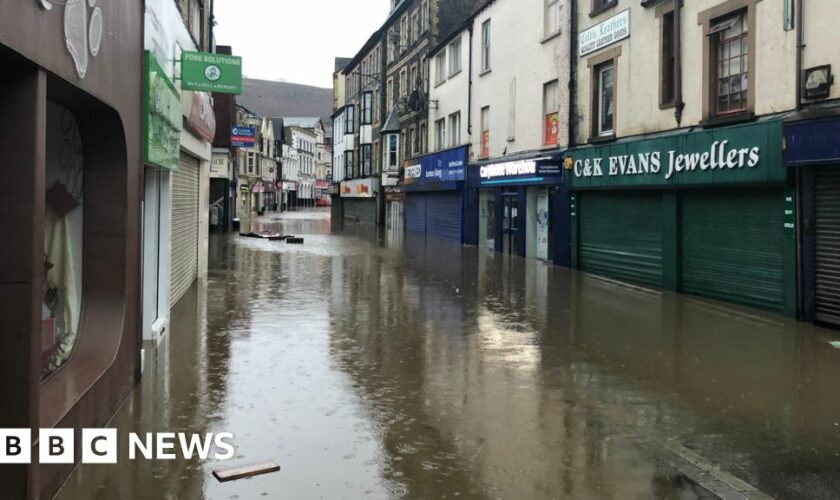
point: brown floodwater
(385, 366)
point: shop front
(813, 152)
(358, 199)
(520, 207)
(709, 213)
(434, 195)
(70, 264)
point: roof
(302, 122)
(392, 124)
(277, 125)
(341, 63)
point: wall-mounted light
(817, 82)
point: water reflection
(370, 366)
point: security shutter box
(827, 245)
(184, 259)
(620, 235)
(444, 216)
(732, 246)
(415, 213)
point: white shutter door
(184, 263)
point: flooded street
(370, 366)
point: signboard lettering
(604, 34)
(243, 137)
(162, 131)
(205, 72)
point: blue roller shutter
(415, 212)
(444, 215)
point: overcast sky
(296, 40)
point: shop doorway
(487, 219)
(510, 223)
(543, 237)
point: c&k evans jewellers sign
(740, 154)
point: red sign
(485, 144)
(201, 119)
(552, 129)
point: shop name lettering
(719, 157)
(508, 169)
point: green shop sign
(163, 121)
(204, 72)
(737, 154)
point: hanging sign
(243, 137)
(205, 72)
(162, 130)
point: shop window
(63, 239)
(551, 113)
(667, 61)
(729, 39)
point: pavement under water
(389, 366)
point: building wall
(521, 59)
(822, 39)
(637, 90)
(452, 94)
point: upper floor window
(485, 132)
(440, 67)
(455, 56)
(730, 48)
(598, 6)
(367, 109)
(551, 113)
(404, 33)
(605, 99)
(415, 26)
(455, 129)
(351, 119)
(424, 16)
(667, 61)
(440, 134)
(552, 17)
(485, 46)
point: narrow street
(369, 366)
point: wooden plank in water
(241, 472)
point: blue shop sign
(812, 143)
(525, 171)
(243, 137)
(439, 169)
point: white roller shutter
(184, 263)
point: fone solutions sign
(204, 72)
(739, 154)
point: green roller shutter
(620, 235)
(733, 246)
(827, 244)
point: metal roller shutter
(621, 236)
(184, 264)
(733, 246)
(415, 213)
(827, 245)
(444, 217)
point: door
(444, 216)
(620, 235)
(415, 213)
(487, 219)
(827, 245)
(510, 223)
(543, 224)
(733, 246)
(184, 260)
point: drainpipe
(679, 105)
(573, 61)
(469, 85)
(800, 48)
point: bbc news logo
(101, 446)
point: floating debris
(244, 471)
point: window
(730, 46)
(412, 142)
(512, 110)
(376, 157)
(351, 119)
(455, 57)
(423, 139)
(485, 132)
(485, 46)
(392, 162)
(667, 61)
(367, 109)
(389, 90)
(455, 129)
(551, 113)
(403, 83)
(599, 6)
(440, 134)
(413, 81)
(404, 33)
(552, 17)
(391, 45)
(424, 15)
(251, 163)
(440, 68)
(348, 164)
(604, 111)
(415, 26)
(366, 154)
